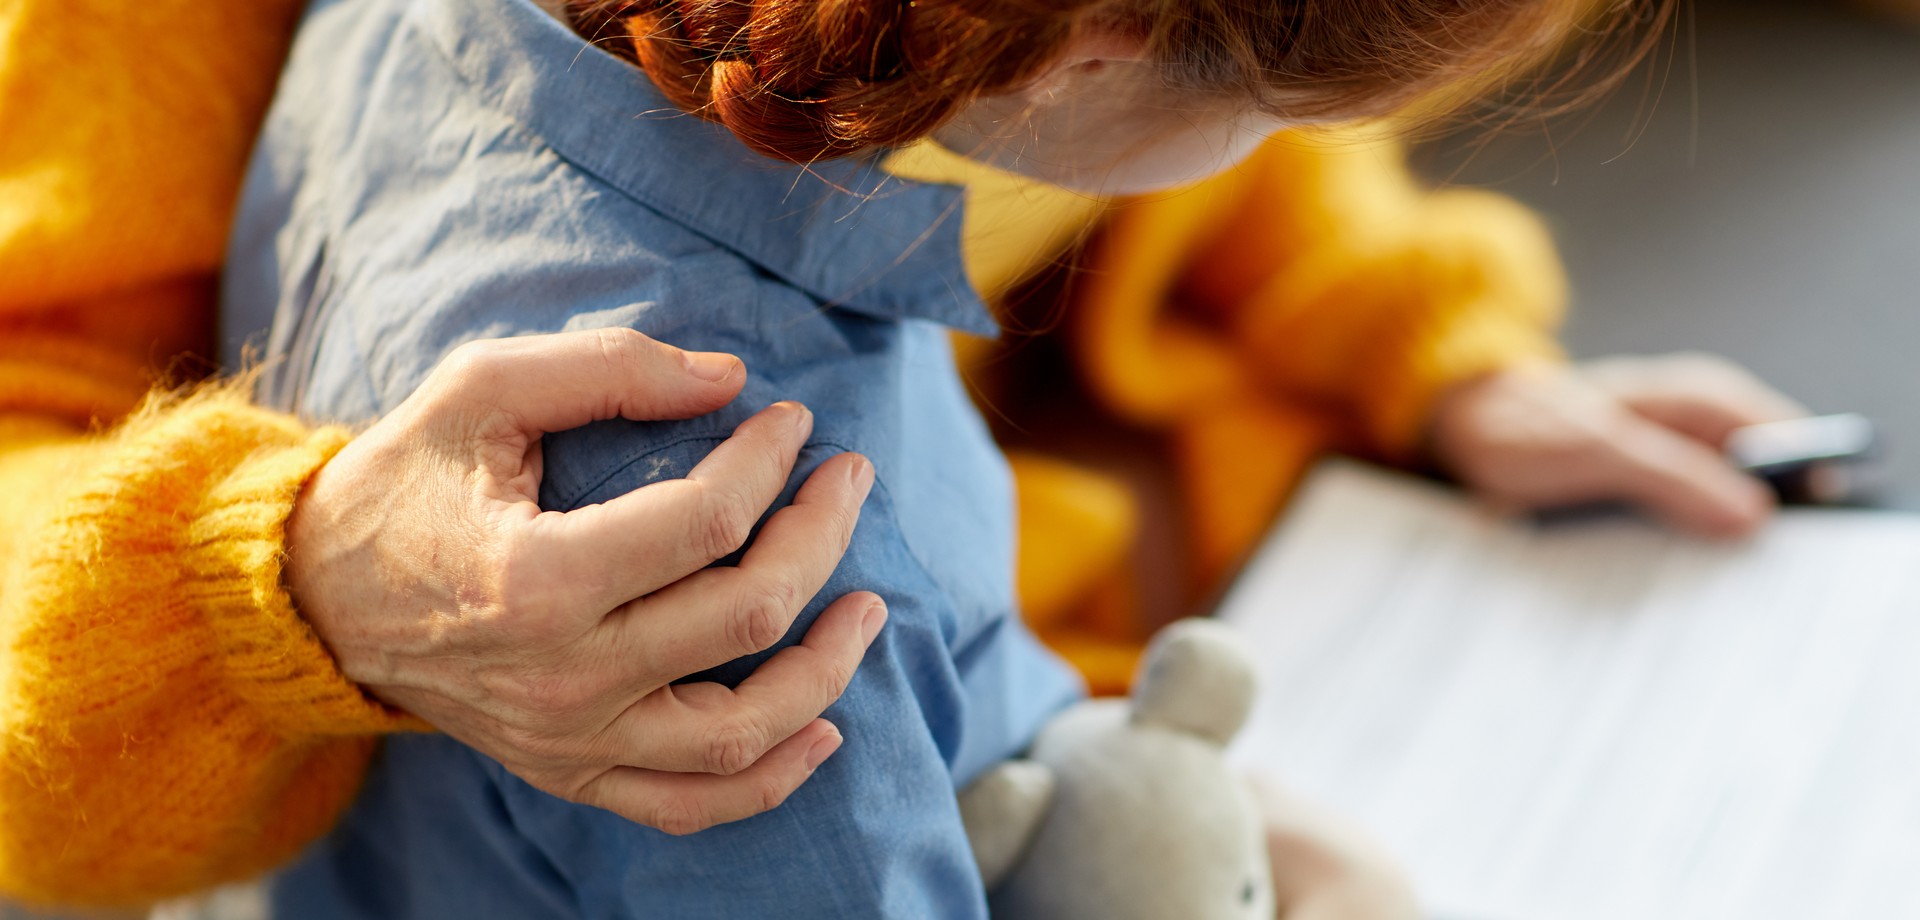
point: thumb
(547, 383)
(1686, 483)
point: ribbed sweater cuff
(272, 657)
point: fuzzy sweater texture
(167, 721)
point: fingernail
(822, 750)
(802, 416)
(711, 366)
(870, 626)
(861, 476)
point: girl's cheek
(1188, 153)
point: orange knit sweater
(167, 722)
(1315, 298)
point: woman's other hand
(1643, 430)
(547, 640)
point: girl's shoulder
(437, 170)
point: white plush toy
(1128, 809)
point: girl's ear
(1090, 49)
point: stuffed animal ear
(1002, 811)
(1197, 678)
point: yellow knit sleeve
(166, 721)
(1320, 272)
(1347, 285)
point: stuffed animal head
(1127, 808)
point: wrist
(1451, 420)
(1462, 412)
(273, 657)
(329, 567)
(303, 575)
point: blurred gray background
(1766, 207)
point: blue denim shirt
(436, 171)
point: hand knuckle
(731, 747)
(471, 361)
(460, 373)
(679, 814)
(730, 519)
(768, 794)
(839, 673)
(760, 619)
(619, 347)
(622, 340)
(467, 353)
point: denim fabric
(435, 171)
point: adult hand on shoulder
(547, 640)
(1644, 430)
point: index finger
(637, 543)
(1688, 484)
(716, 615)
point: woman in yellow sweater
(150, 648)
(166, 720)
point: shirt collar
(846, 232)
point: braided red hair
(803, 80)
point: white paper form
(1602, 720)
